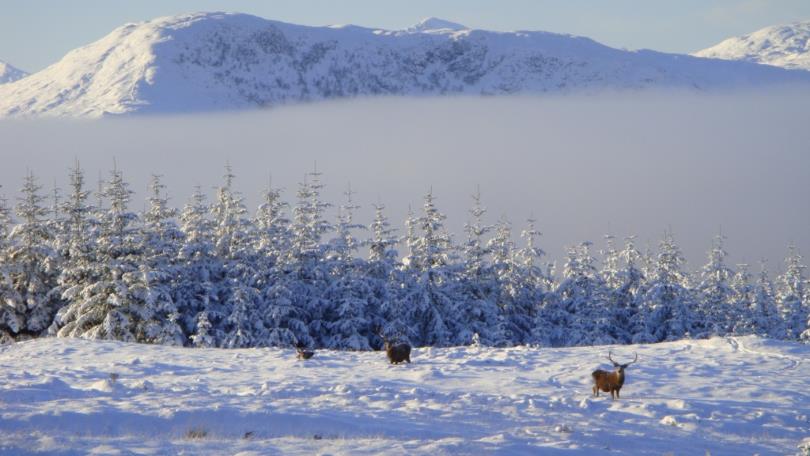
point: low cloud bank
(583, 166)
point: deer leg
(612, 392)
(617, 394)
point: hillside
(786, 46)
(720, 396)
(221, 61)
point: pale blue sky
(36, 33)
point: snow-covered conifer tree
(791, 295)
(80, 229)
(589, 319)
(667, 302)
(33, 268)
(10, 323)
(625, 292)
(715, 294)
(243, 323)
(767, 321)
(743, 313)
(430, 301)
(479, 287)
(527, 292)
(384, 276)
(106, 304)
(272, 226)
(196, 293)
(296, 301)
(349, 325)
(160, 240)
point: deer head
(621, 367)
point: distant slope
(723, 396)
(786, 46)
(219, 61)
(10, 74)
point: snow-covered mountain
(10, 74)
(222, 61)
(786, 46)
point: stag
(610, 382)
(398, 352)
(303, 353)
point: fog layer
(583, 166)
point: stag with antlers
(610, 382)
(397, 352)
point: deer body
(398, 353)
(303, 353)
(610, 382)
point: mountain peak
(786, 46)
(10, 74)
(434, 23)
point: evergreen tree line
(215, 275)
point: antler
(634, 359)
(611, 359)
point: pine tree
(272, 244)
(348, 323)
(160, 240)
(197, 292)
(295, 313)
(479, 288)
(10, 321)
(667, 301)
(233, 240)
(791, 295)
(80, 231)
(430, 300)
(582, 296)
(527, 289)
(715, 294)
(768, 322)
(743, 314)
(626, 292)
(107, 302)
(610, 264)
(384, 276)
(33, 268)
(272, 228)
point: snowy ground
(722, 396)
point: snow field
(741, 395)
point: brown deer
(398, 352)
(303, 353)
(610, 382)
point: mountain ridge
(203, 62)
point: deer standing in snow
(397, 352)
(610, 382)
(303, 353)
